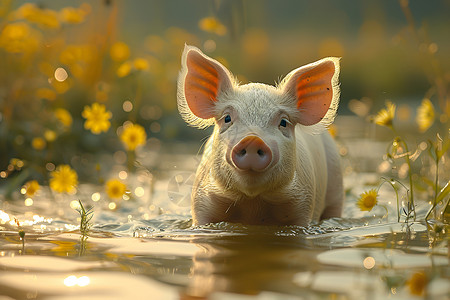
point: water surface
(147, 248)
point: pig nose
(251, 153)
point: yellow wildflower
(386, 115)
(71, 54)
(133, 136)
(46, 93)
(119, 51)
(72, 15)
(48, 19)
(425, 115)
(50, 135)
(31, 188)
(79, 59)
(124, 69)
(115, 189)
(141, 64)
(211, 24)
(26, 10)
(367, 200)
(417, 283)
(38, 143)
(45, 18)
(63, 116)
(97, 118)
(61, 86)
(64, 179)
(19, 37)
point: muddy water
(147, 248)
(166, 258)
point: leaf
(444, 192)
(445, 146)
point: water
(165, 257)
(147, 248)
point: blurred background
(58, 58)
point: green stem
(442, 194)
(445, 209)
(408, 161)
(83, 216)
(398, 206)
(436, 186)
(435, 202)
(137, 98)
(396, 195)
(387, 211)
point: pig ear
(315, 91)
(201, 81)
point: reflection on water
(168, 259)
(146, 247)
(128, 256)
(92, 285)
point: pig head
(270, 159)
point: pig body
(270, 159)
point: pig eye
(283, 122)
(227, 119)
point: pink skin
(255, 169)
(251, 154)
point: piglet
(270, 159)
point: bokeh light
(73, 280)
(61, 74)
(369, 262)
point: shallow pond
(146, 248)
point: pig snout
(251, 154)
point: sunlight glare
(4, 217)
(209, 45)
(83, 281)
(95, 197)
(139, 191)
(127, 106)
(73, 280)
(61, 74)
(50, 167)
(75, 205)
(70, 281)
(28, 202)
(123, 175)
(369, 262)
(38, 218)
